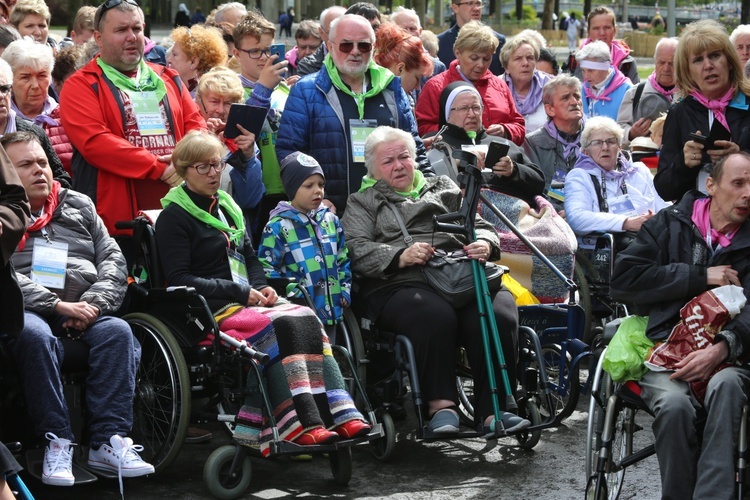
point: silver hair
(562, 80)
(742, 29)
(597, 124)
(355, 17)
(26, 53)
(594, 51)
(6, 71)
(324, 14)
(223, 8)
(382, 135)
(673, 40)
(403, 11)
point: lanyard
(603, 188)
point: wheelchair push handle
(245, 348)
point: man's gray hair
(403, 11)
(563, 80)
(385, 134)
(594, 51)
(323, 15)
(361, 20)
(6, 71)
(673, 40)
(222, 9)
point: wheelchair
(612, 440)
(187, 359)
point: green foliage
(527, 14)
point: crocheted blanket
(304, 383)
(545, 229)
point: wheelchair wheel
(218, 477)
(161, 411)
(382, 448)
(465, 389)
(349, 336)
(601, 390)
(341, 465)
(528, 409)
(621, 446)
(559, 371)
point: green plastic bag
(627, 350)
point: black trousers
(436, 329)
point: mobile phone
(279, 49)
(497, 150)
(250, 117)
(699, 138)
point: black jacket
(527, 180)
(194, 254)
(312, 63)
(666, 266)
(673, 178)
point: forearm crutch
(470, 180)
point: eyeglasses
(473, 5)
(5, 89)
(256, 53)
(612, 141)
(205, 168)
(465, 109)
(347, 47)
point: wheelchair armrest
(172, 292)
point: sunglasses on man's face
(347, 47)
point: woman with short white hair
(740, 38)
(32, 65)
(604, 86)
(606, 192)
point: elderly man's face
(351, 34)
(395, 165)
(664, 65)
(566, 105)
(731, 194)
(409, 23)
(742, 45)
(602, 27)
(121, 39)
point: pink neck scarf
(617, 79)
(702, 220)
(718, 106)
(666, 93)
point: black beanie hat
(295, 168)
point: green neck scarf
(416, 187)
(149, 81)
(380, 77)
(472, 135)
(179, 196)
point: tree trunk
(745, 15)
(548, 22)
(519, 9)
(586, 10)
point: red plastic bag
(701, 319)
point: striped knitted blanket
(304, 383)
(545, 229)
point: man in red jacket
(124, 117)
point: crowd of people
(107, 123)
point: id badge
(147, 113)
(557, 193)
(237, 267)
(621, 205)
(359, 131)
(48, 262)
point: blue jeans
(113, 359)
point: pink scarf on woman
(718, 106)
(617, 79)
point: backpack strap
(638, 93)
(598, 188)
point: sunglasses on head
(347, 47)
(114, 3)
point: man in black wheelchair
(73, 277)
(698, 244)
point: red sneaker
(318, 435)
(353, 429)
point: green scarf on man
(380, 77)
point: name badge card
(238, 267)
(48, 262)
(557, 193)
(621, 205)
(359, 131)
(147, 113)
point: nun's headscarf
(449, 94)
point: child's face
(310, 194)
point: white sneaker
(57, 468)
(122, 458)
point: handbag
(451, 274)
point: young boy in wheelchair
(698, 244)
(72, 275)
(304, 240)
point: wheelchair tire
(352, 341)
(565, 401)
(382, 448)
(465, 386)
(600, 392)
(341, 465)
(217, 477)
(621, 446)
(161, 407)
(528, 410)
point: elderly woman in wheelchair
(203, 243)
(393, 285)
(73, 279)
